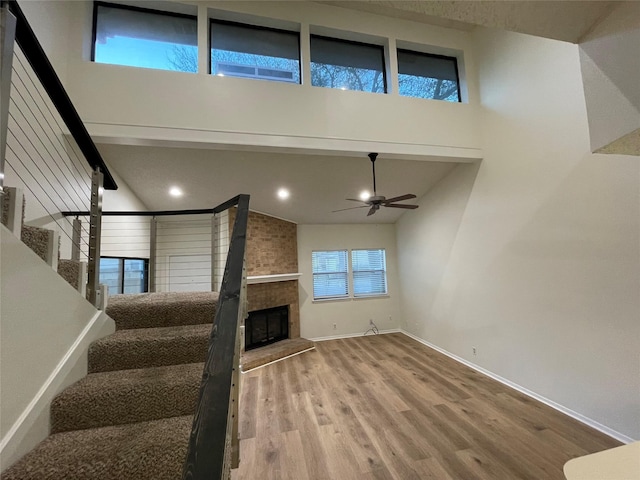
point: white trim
(51, 385)
(280, 277)
(351, 335)
(278, 360)
(162, 136)
(556, 406)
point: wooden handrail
(212, 441)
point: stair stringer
(45, 332)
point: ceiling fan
(376, 201)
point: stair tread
(158, 333)
(146, 450)
(127, 396)
(162, 309)
(149, 347)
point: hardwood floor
(387, 407)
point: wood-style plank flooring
(387, 407)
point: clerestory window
(139, 37)
(347, 65)
(240, 50)
(430, 76)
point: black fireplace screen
(263, 327)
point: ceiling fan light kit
(376, 201)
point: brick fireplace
(274, 294)
(272, 266)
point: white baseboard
(351, 335)
(567, 411)
(32, 426)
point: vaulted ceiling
(559, 20)
(319, 183)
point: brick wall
(272, 244)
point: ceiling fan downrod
(373, 157)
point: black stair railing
(213, 445)
(39, 164)
(28, 42)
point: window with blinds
(240, 50)
(369, 272)
(425, 75)
(330, 274)
(332, 278)
(347, 65)
(139, 37)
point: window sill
(346, 299)
(371, 297)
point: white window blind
(369, 272)
(330, 274)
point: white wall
(124, 236)
(183, 253)
(45, 331)
(127, 103)
(51, 21)
(534, 261)
(611, 71)
(350, 316)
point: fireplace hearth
(263, 327)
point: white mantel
(281, 277)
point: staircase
(43, 242)
(131, 417)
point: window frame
(255, 27)
(133, 8)
(383, 270)
(122, 270)
(385, 84)
(347, 277)
(350, 295)
(431, 55)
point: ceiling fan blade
(350, 208)
(400, 205)
(408, 196)
(372, 211)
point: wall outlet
(335, 326)
(474, 350)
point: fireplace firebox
(267, 326)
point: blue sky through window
(135, 52)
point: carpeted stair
(43, 242)
(70, 271)
(130, 418)
(37, 239)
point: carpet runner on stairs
(130, 418)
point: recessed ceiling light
(175, 192)
(283, 194)
(364, 195)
